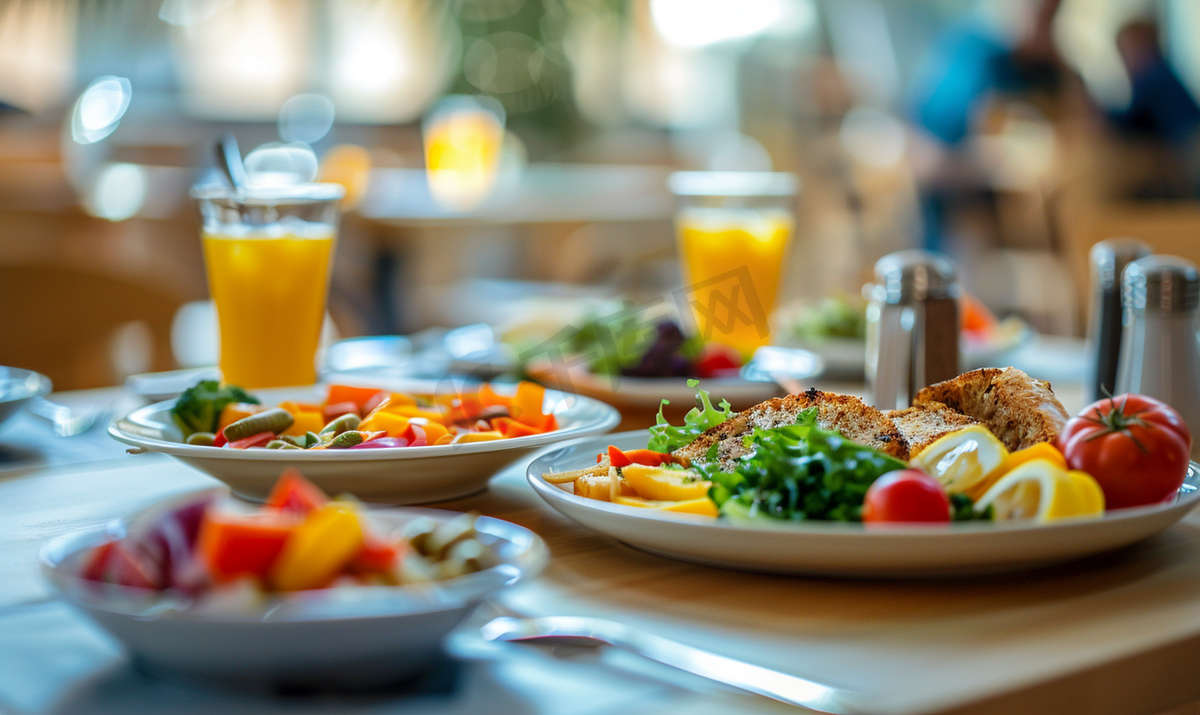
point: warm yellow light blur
(37, 52)
(463, 138)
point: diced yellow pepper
(388, 422)
(318, 549)
(662, 484)
(305, 421)
(434, 431)
(414, 411)
(445, 439)
(1041, 450)
(235, 411)
(466, 437)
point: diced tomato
(464, 408)
(254, 440)
(718, 361)
(129, 567)
(233, 545)
(334, 410)
(376, 400)
(293, 493)
(97, 561)
(646, 457)
(360, 396)
(415, 434)
(518, 429)
(219, 440)
(375, 555)
(489, 398)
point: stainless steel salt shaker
(1160, 355)
(1108, 260)
(912, 326)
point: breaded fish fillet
(1018, 409)
(924, 424)
(851, 417)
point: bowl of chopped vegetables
(408, 443)
(302, 591)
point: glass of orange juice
(463, 138)
(268, 253)
(733, 231)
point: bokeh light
(697, 23)
(100, 108)
(306, 118)
(463, 137)
(275, 164)
(118, 192)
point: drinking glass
(268, 254)
(733, 231)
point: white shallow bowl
(406, 475)
(18, 387)
(840, 549)
(342, 638)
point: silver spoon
(229, 158)
(571, 630)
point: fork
(596, 632)
(68, 423)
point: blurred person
(1160, 106)
(970, 66)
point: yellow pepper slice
(389, 422)
(665, 484)
(319, 548)
(477, 437)
(704, 507)
(1042, 450)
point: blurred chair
(82, 330)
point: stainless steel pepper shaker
(1108, 260)
(912, 326)
(1160, 355)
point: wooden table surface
(1119, 633)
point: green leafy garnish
(665, 437)
(963, 509)
(199, 407)
(797, 473)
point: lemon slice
(967, 461)
(1043, 491)
(704, 506)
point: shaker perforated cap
(1163, 284)
(914, 275)
(1109, 257)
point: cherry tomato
(718, 361)
(906, 495)
(1135, 446)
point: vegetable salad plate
(389, 472)
(830, 548)
(148, 581)
(753, 382)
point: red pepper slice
(293, 493)
(376, 555)
(220, 440)
(645, 457)
(254, 440)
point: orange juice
(732, 260)
(270, 295)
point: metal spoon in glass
(744, 676)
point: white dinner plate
(402, 475)
(841, 549)
(649, 392)
(343, 637)
(18, 387)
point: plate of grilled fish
(793, 485)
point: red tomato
(906, 495)
(293, 493)
(1135, 446)
(718, 361)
